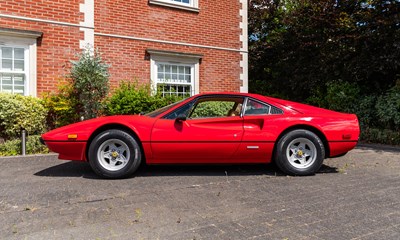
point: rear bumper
(341, 147)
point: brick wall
(219, 69)
(215, 25)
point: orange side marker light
(72, 136)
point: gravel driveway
(353, 197)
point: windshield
(159, 111)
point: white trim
(194, 6)
(45, 21)
(244, 64)
(168, 42)
(195, 62)
(32, 85)
(87, 9)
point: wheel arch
(116, 126)
(312, 129)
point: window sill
(174, 5)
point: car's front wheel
(299, 152)
(114, 154)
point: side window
(209, 107)
(256, 108)
(184, 110)
(217, 107)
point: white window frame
(25, 72)
(28, 41)
(192, 75)
(193, 5)
(173, 58)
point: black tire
(292, 158)
(127, 158)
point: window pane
(187, 70)
(19, 80)
(18, 65)
(168, 68)
(7, 64)
(19, 90)
(6, 52)
(160, 68)
(256, 108)
(6, 80)
(19, 53)
(174, 69)
(7, 88)
(160, 76)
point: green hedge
(132, 98)
(379, 114)
(13, 147)
(384, 136)
(18, 112)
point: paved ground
(353, 197)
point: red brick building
(189, 45)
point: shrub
(342, 96)
(365, 111)
(388, 109)
(13, 147)
(17, 112)
(90, 83)
(132, 98)
(383, 136)
(61, 107)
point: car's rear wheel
(299, 152)
(114, 154)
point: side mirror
(181, 118)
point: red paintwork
(213, 140)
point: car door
(259, 135)
(207, 130)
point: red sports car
(211, 128)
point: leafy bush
(13, 147)
(383, 136)
(342, 96)
(388, 109)
(17, 112)
(132, 98)
(61, 107)
(90, 83)
(365, 110)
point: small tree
(90, 82)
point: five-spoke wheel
(299, 152)
(114, 154)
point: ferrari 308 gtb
(213, 128)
